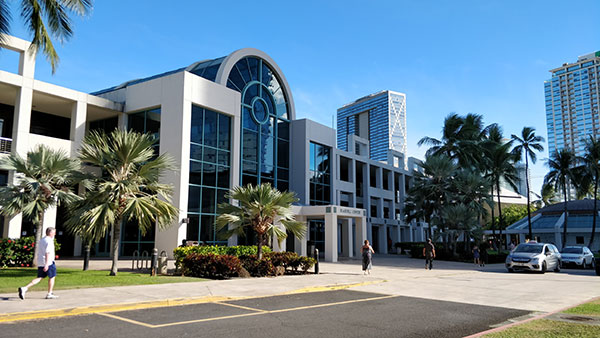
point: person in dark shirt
(429, 253)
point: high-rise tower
(378, 118)
(572, 103)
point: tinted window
(572, 250)
(529, 248)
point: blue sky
(485, 57)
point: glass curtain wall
(265, 123)
(210, 171)
(320, 177)
(132, 239)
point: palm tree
(430, 190)
(562, 171)
(500, 165)
(44, 179)
(128, 188)
(259, 208)
(591, 161)
(528, 143)
(33, 13)
(461, 137)
(459, 218)
(548, 194)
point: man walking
(45, 263)
(429, 253)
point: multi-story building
(572, 96)
(225, 122)
(376, 122)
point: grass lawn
(12, 278)
(552, 328)
(588, 309)
(544, 328)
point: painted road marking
(241, 307)
(96, 309)
(255, 313)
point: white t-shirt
(46, 246)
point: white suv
(534, 256)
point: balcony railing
(5, 145)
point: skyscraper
(378, 118)
(572, 103)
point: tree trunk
(38, 237)
(564, 242)
(493, 220)
(259, 252)
(595, 211)
(116, 237)
(500, 220)
(86, 258)
(527, 184)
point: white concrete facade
(375, 211)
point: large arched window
(265, 123)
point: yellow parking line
(126, 320)
(240, 307)
(256, 313)
(333, 287)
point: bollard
(162, 263)
(317, 263)
(154, 263)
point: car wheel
(583, 265)
(557, 268)
(510, 270)
(544, 267)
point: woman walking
(366, 250)
(476, 259)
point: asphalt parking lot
(340, 313)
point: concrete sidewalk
(392, 275)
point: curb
(66, 312)
(543, 315)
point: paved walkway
(392, 275)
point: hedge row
(216, 266)
(240, 250)
(416, 251)
(17, 252)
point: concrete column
(331, 237)
(78, 119)
(176, 114)
(348, 238)
(122, 121)
(300, 244)
(521, 238)
(361, 232)
(49, 219)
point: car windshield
(572, 250)
(529, 248)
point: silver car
(534, 256)
(577, 255)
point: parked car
(580, 256)
(534, 256)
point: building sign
(350, 212)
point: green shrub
(211, 266)
(17, 252)
(240, 250)
(258, 267)
(306, 263)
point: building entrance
(316, 235)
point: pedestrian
(484, 254)
(45, 263)
(475, 252)
(429, 253)
(366, 250)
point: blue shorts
(51, 273)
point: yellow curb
(66, 312)
(333, 287)
(43, 314)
